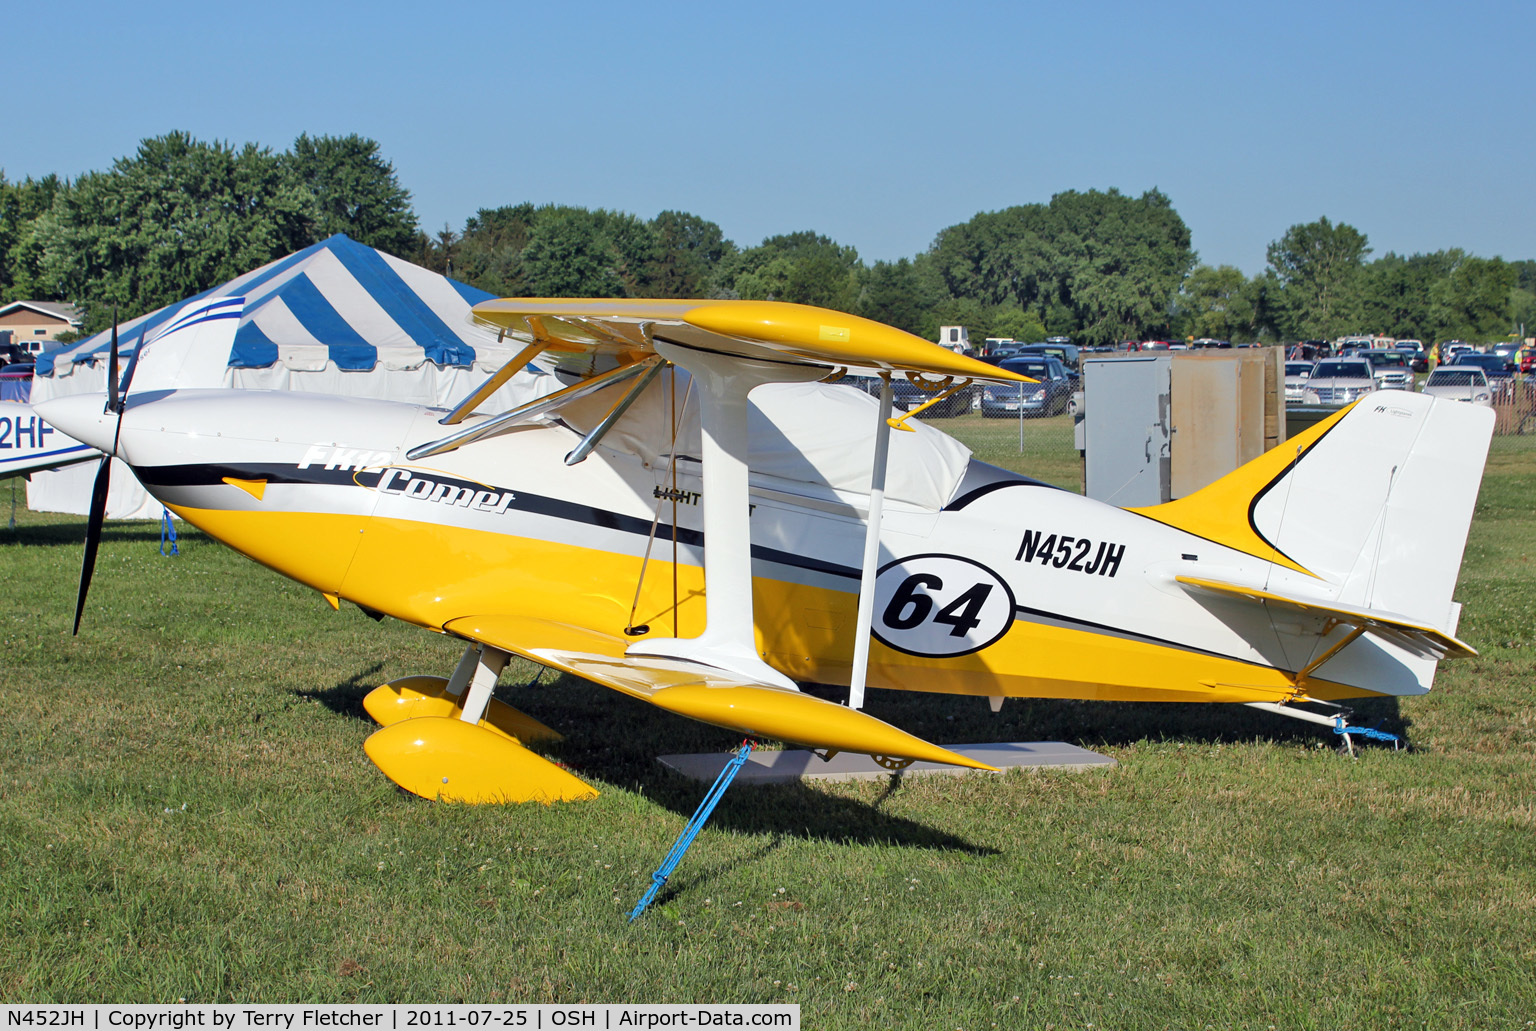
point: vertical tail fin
(1375, 502)
(193, 349)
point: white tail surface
(193, 350)
(1381, 505)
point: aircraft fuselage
(1015, 588)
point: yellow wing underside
(702, 693)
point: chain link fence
(1037, 445)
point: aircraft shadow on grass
(626, 757)
(625, 736)
(69, 535)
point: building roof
(53, 309)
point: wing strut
(532, 410)
(729, 641)
(866, 615)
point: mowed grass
(186, 812)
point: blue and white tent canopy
(337, 304)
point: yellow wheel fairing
(439, 757)
(412, 697)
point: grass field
(186, 812)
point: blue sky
(878, 124)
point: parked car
(16, 383)
(1528, 359)
(1418, 358)
(1460, 383)
(1064, 353)
(1051, 396)
(1296, 376)
(1451, 349)
(1338, 381)
(1348, 346)
(1492, 364)
(906, 395)
(10, 354)
(1390, 368)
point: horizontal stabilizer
(1416, 637)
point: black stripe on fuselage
(522, 501)
(586, 515)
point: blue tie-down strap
(167, 533)
(1340, 727)
(691, 831)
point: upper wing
(582, 332)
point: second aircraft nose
(82, 416)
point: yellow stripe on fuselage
(431, 573)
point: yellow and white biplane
(652, 529)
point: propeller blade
(114, 403)
(93, 535)
(133, 363)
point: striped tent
(335, 318)
(336, 303)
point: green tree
(1000, 257)
(1100, 265)
(1217, 302)
(1010, 322)
(898, 294)
(21, 253)
(1522, 310)
(176, 218)
(355, 191)
(1317, 267)
(488, 254)
(804, 268)
(573, 252)
(1395, 293)
(1119, 261)
(689, 249)
(1472, 302)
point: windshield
(1385, 357)
(1456, 378)
(1341, 370)
(1034, 370)
(1298, 368)
(1485, 361)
